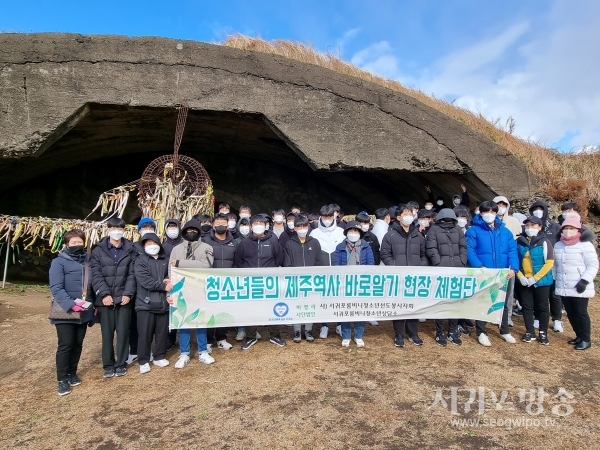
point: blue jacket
(66, 285)
(539, 254)
(493, 248)
(340, 254)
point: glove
(77, 308)
(524, 281)
(79, 302)
(581, 286)
(531, 281)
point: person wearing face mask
(172, 235)
(446, 246)
(67, 275)
(461, 199)
(231, 224)
(224, 246)
(425, 219)
(463, 222)
(404, 245)
(243, 228)
(329, 236)
(438, 203)
(223, 208)
(491, 245)
(570, 210)
(145, 225)
(382, 223)
(205, 224)
(290, 219)
(193, 253)
(245, 212)
(302, 250)
(152, 302)
(338, 215)
(313, 221)
(365, 225)
(575, 268)
(511, 222)
(536, 258)
(113, 280)
(353, 251)
(279, 224)
(259, 250)
(414, 206)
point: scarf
(572, 240)
(353, 251)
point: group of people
(550, 264)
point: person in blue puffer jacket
(353, 251)
(491, 245)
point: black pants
(577, 312)
(172, 338)
(215, 335)
(452, 326)
(133, 334)
(556, 304)
(411, 325)
(152, 325)
(70, 344)
(480, 326)
(115, 319)
(534, 301)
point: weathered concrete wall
(332, 121)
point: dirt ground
(300, 396)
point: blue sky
(534, 61)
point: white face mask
(173, 233)
(456, 201)
(327, 222)
(152, 249)
(424, 223)
(566, 215)
(365, 227)
(245, 230)
(144, 232)
(501, 210)
(278, 219)
(353, 237)
(488, 217)
(461, 223)
(244, 216)
(290, 225)
(476, 211)
(569, 233)
(302, 232)
(440, 202)
(428, 207)
(258, 229)
(538, 213)
(531, 232)
(407, 220)
(267, 226)
(116, 235)
(231, 224)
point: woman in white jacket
(575, 267)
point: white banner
(207, 298)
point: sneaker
(297, 337)
(160, 362)
(249, 343)
(224, 345)
(324, 332)
(309, 336)
(345, 342)
(469, 323)
(182, 361)
(422, 320)
(528, 337)
(558, 326)
(205, 358)
(240, 336)
(455, 338)
(120, 372)
(543, 338)
(109, 373)
(145, 368)
(518, 312)
(63, 388)
(399, 341)
(359, 342)
(464, 330)
(209, 348)
(131, 359)
(74, 380)
(374, 323)
(484, 340)
(338, 329)
(536, 324)
(441, 340)
(415, 340)
(508, 338)
(277, 340)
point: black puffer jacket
(297, 254)
(223, 250)
(446, 245)
(151, 293)
(400, 248)
(110, 278)
(551, 229)
(374, 243)
(285, 237)
(169, 243)
(259, 252)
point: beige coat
(202, 256)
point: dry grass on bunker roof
(562, 176)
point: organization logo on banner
(281, 309)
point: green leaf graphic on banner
(181, 305)
(192, 316)
(470, 272)
(220, 319)
(495, 307)
(494, 293)
(174, 321)
(177, 286)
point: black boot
(583, 345)
(574, 341)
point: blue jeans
(359, 329)
(184, 340)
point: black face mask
(314, 225)
(206, 228)
(76, 250)
(191, 236)
(221, 229)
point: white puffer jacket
(573, 263)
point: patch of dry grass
(573, 177)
